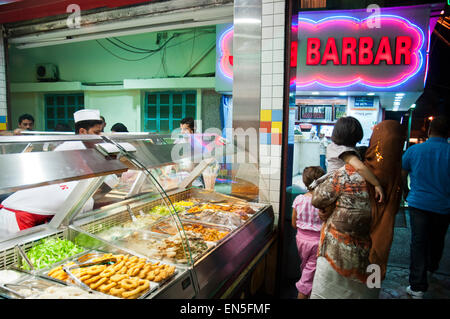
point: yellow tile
(2, 126)
(276, 127)
(266, 115)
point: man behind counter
(26, 123)
(31, 207)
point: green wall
(31, 103)
(87, 62)
(117, 106)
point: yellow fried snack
(143, 285)
(131, 294)
(150, 276)
(100, 282)
(143, 273)
(134, 271)
(118, 277)
(85, 277)
(128, 283)
(92, 280)
(116, 291)
(108, 272)
(126, 277)
(95, 270)
(119, 265)
(105, 288)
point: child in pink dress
(305, 217)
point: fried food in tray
(129, 277)
(228, 220)
(165, 227)
(234, 217)
(173, 250)
(164, 247)
(209, 233)
(242, 210)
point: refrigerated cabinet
(152, 212)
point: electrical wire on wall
(192, 49)
(134, 53)
(149, 53)
(124, 46)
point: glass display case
(143, 216)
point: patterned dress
(345, 236)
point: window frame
(68, 118)
(171, 105)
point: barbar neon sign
(363, 53)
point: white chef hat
(86, 115)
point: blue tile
(265, 138)
(277, 115)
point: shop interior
(317, 111)
(148, 79)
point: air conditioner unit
(47, 72)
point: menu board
(340, 111)
(314, 112)
(363, 102)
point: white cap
(86, 115)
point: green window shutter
(59, 108)
(164, 110)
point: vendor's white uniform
(44, 201)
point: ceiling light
(395, 109)
(342, 93)
(396, 103)
(315, 93)
(413, 106)
(371, 93)
(399, 94)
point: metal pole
(409, 126)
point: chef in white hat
(34, 206)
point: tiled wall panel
(3, 105)
(271, 115)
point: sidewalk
(393, 287)
(396, 281)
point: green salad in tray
(163, 210)
(49, 251)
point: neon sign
(226, 53)
(364, 57)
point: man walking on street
(429, 203)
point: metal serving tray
(164, 227)
(44, 274)
(35, 282)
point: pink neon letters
(355, 51)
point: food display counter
(150, 235)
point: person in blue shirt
(427, 165)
